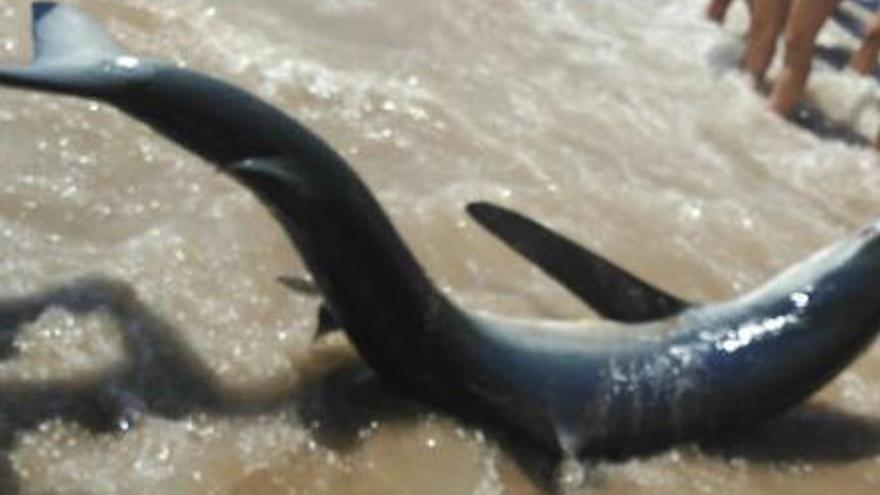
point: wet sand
(618, 123)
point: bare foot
(864, 60)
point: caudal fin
(64, 34)
(68, 49)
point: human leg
(805, 18)
(717, 10)
(768, 19)
(864, 60)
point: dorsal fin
(62, 33)
(610, 290)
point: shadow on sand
(811, 433)
(161, 375)
(340, 397)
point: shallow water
(619, 123)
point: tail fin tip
(41, 9)
(64, 31)
(67, 45)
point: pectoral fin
(610, 290)
(300, 285)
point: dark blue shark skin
(572, 387)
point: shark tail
(72, 53)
